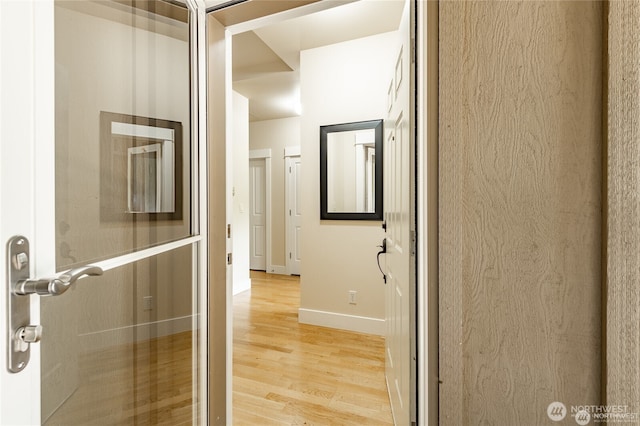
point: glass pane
(119, 348)
(123, 145)
(350, 177)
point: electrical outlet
(352, 296)
(147, 303)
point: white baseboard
(277, 269)
(135, 333)
(239, 287)
(342, 321)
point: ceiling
(238, 11)
(266, 61)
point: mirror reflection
(141, 167)
(351, 171)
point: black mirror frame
(346, 127)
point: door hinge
(413, 243)
(229, 258)
(289, 255)
(289, 212)
(229, 230)
(289, 169)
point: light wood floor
(286, 373)
(146, 383)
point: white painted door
(81, 84)
(257, 214)
(399, 192)
(294, 214)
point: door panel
(257, 214)
(399, 190)
(23, 61)
(107, 342)
(115, 67)
(297, 217)
(520, 210)
(110, 357)
(120, 348)
(294, 212)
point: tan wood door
(520, 211)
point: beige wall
(340, 83)
(520, 209)
(623, 210)
(276, 135)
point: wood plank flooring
(144, 383)
(286, 373)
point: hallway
(286, 373)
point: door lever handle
(55, 286)
(383, 250)
(21, 333)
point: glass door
(118, 190)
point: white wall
(240, 221)
(341, 83)
(276, 135)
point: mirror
(141, 167)
(351, 171)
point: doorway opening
(341, 286)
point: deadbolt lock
(20, 333)
(24, 336)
